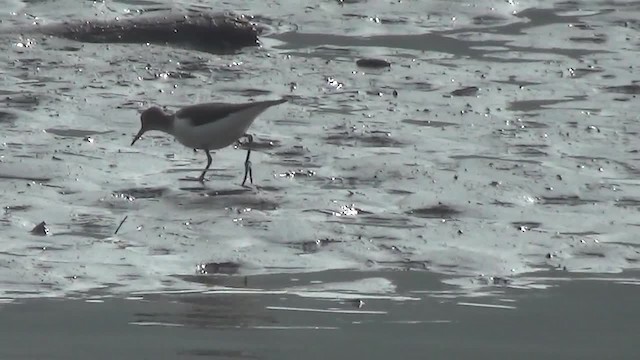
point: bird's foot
(247, 172)
(247, 163)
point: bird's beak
(137, 136)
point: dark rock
(40, 229)
(467, 91)
(373, 63)
(228, 268)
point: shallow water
(500, 142)
(366, 314)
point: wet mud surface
(481, 142)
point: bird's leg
(201, 178)
(247, 162)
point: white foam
(493, 306)
(334, 311)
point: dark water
(578, 319)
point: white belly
(216, 134)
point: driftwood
(202, 30)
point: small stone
(467, 91)
(41, 229)
(373, 63)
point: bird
(207, 126)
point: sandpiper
(208, 126)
